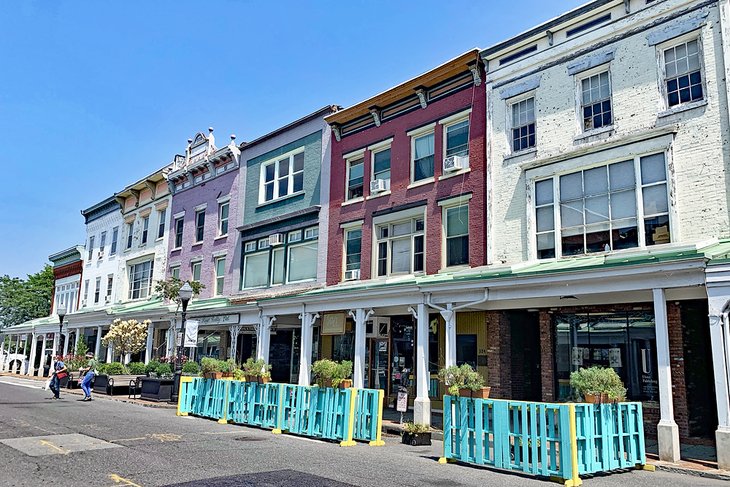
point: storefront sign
(191, 333)
(402, 402)
(218, 319)
(333, 324)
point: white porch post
(97, 345)
(31, 360)
(719, 344)
(66, 340)
(263, 339)
(422, 403)
(449, 316)
(234, 330)
(56, 349)
(667, 429)
(170, 338)
(110, 353)
(305, 347)
(17, 352)
(150, 343)
(360, 316)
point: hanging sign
(191, 333)
(402, 402)
(333, 324)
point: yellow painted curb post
(351, 420)
(280, 416)
(575, 481)
(224, 419)
(647, 467)
(378, 441)
(183, 379)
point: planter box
(111, 384)
(213, 375)
(483, 393)
(416, 439)
(153, 389)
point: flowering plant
(127, 336)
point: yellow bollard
(348, 441)
(183, 379)
(378, 441)
(575, 481)
(277, 431)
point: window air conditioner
(276, 239)
(378, 185)
(83, 303)
(377, 327)
(352, 275)
(100, 254)
(455, 163)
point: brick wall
(547, 356)
(499, 354)
(676, 357)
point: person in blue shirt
(59, 372)
(89, 374)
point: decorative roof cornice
(105, 207)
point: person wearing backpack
(59, 372)
(89, 374)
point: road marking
(57, 448)
(221, 432)
(293, 437)
(121, 480)
(128, 439)
(161, 437)
(20, 385)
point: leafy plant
(24, 299)
(81, 347)
(342, 372)
(101, 368)
(324, 371)
(151, 366)
(598, 380)
(238, 374)
(473, 380)
(115, 368)
(210, 365)
(463, 377)
(191, 367)
(170, 289)
(136, 368)
(227, 366)
(127, 336)
(258, 368)
(164, 370)
(416, 428)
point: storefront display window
(343, 346)
(402, 341)
(466, 350)
(208, 345)
(624, 341)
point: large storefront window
(292, 260)
(624, 341)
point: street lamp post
(185, 294)
(61, 315)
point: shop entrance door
(378, 364)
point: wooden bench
(111, 384)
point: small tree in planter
(127, 336)
(211, 368)
(464, 381)
(416, 434)
(342, 377)
(191, 368)
(136, 368)
(324, 371)
(257, 371)
(164, 371)
(227, 367)
(598, 384)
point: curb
(707, 474)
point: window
(199, 225)
(223, 218)
(97, 290)
(293, 261)
(601, 210)
(457, 235)
(102, 242)
(130, 229)
(115, 237)
(353, 246)
(596, 101)
(282, 177)
(145, 229)
(423, 155)
(178, 232)
(523, 124)
(91, 248)
(161, 222)
(400, 247)
(175, 272)
(86, 290)
(381, 166)
(355, 175)
(220, 272)
(457, 139)
(196, 268)
(109, 286)
(682, 73)
(140, 280)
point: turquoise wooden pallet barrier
(367, 413)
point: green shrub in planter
(238, 374)
(151, 366)
(136, 368)
(416, 428)
(342, 373)
(453, 378)
(210, 365)
(598, 381)
(115, 368)
(164, 369)
(101, 369)
(256, 368)
(191, 367)
(324, 371)
(227, 366)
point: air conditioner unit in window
(377, 327)
(378, 185)
(83, 303)
(352, 275)
(107, 299)
(276, 239)
(455, 163)
(100, 254)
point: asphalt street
(111, 443)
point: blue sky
(95, 95)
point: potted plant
(151, 368)
(342, 377)
(106, 383)
(598, 385)
(324, 371)
(473, 384)
(191, 368)
(136, 368)
(158, 388)
(211, 368)
(257, 371)
(227, 367)
(416, 434)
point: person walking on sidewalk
(59, 372)
(89, 374)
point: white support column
(360, 316)
(234, 330)
(263, 339)
(31, 359)
(54, 352)
(170, 337)
(66, 340)
(449, 316)
(97, 346)
(667, 429)
(305, 347)
(110, 353)
(422, 403)
(150, 343)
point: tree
(169, 290)
(128, 336)
(25, 299)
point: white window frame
(660, 48)
(180, 219)
(377, 149)
(109, 287)
(395, 219)
(147, 288)
(145, 230)
(221, 204)
(579, 78)
(175, 269)
(429, 129)
(199, 211)
(161, 217)
(130, 234)
(445, 206)
(254, 248)
(97, 290)
(114, 242)
(219, 280)
(250, 246)
(90, 252)
(102, 242)
(349, 159)
(354, 227)
(290, 176)
(448, 122)
(193, 264)
(510, 121)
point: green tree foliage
(25, 299)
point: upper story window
(456, 235)
(683, 73)
(603, 208)
(400, 247)
(523, 124)
(282, 177)
(381, 170)
(102, 244)
(284, 263)
(422, 153)
(457, 138)
(595, 95)
(145, 229)
(199, 225)
(109, 286)
(90, 253)
(130, 230)
(175, 272)
(86, 291)
(161, 222)
(353, 247)
(223, 218)
(196, 270)
(115, 238)
(179, 222)
(140, 279)
(355, 175)
(220, 272)
(97, 290)
(66, 296)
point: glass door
(379, 371)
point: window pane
(596, 209)
(595, 181)
(457, 139)
(571, 186)
(283, 168)
(220, 267)
(382, 258)
(299, 162)
(544, 192)
(403, 228)
(545, 218)
(622, 175)
(546, 245)
(457, 251)
(657, 230)
(652, 168)
(269, 170)
(277, 273)
(571, 214)
(572, 241)
(423, 168)
(353, 246)
(298, 182)
(424, 146)
(256, 270)
(457, 221)
(625, 235)
(303, 262)
(598, 238)
(655, 199)
(283, 187)
(623, 204)
(381, 161)
(401, 258)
